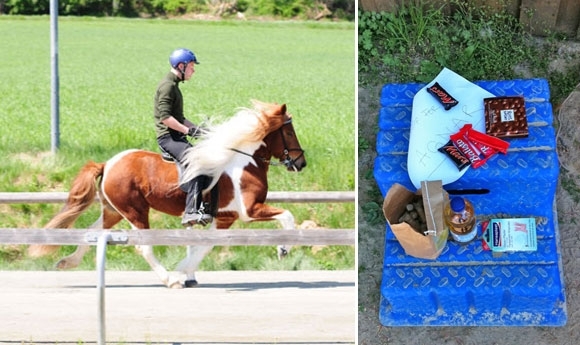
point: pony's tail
(81, 196)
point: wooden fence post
(569, 18)
(539, 17)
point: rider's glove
(195, 132)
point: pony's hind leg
(107, 220)
(136, 212)
(74, 259)
(168, 280)
(286, 219)
(138, 218)
(147, 253)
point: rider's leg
(195, 212)
(174, 146)
(214, 200)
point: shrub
(304, 9)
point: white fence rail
(180, 237)
(283, 197)
(101, 238)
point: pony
(237, 153)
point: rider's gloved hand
(195, 132)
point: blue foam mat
(466, 285)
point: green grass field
(109, 69)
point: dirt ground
(371, 237)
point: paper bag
(428, 241)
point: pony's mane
(244, 131)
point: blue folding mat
(467, 285)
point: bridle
(286, 160)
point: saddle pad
(431, 126)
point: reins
(287, 161)
(267, 161)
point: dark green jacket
(168, 102)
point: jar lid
(457, 204)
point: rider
(172, 128)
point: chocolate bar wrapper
(505, 117)
(442, 96)
(466, 147)
(456, 156)
(481, 140)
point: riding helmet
(182, 55)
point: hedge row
(302, 9)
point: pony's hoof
(175, 285)
(282, 252)
(190, 283)
(64, 265)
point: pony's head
(280, 136)
(243, 132)
(283, 144)
(271, 116)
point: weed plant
(109, 69)
(477, 42)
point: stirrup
(204, 219)
(198, 217)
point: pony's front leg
(189, 265)
(149, 256)
(286, 219)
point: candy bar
(451, 151)
(443, 96)
(505, 117)
(485, 150)
(473, 146)
(467, 149)
(484, 141)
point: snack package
(442, 96)
(455, 154)
(511, 235)
(505, 117)
(473, 146)
(424, 243)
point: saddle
(166, 157)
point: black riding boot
(214, 199)
(194, 208)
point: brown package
(505, 117)
(415, 243)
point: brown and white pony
(238, 151)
